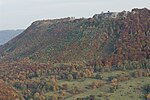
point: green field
(131, 89)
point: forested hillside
(119, 37)
(63, 58)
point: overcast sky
(19, 14)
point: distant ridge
(6, 35)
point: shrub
(98, 76)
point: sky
(19, 14)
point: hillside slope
(112, 37)
(8, 93)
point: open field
(131, 89)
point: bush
(18, 85)
(99, 76)
(111, 78)
(147, 88)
